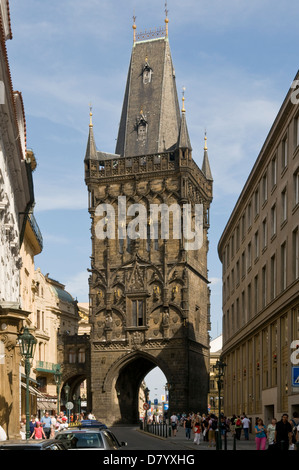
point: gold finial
(134, 27)
(183, 109)
(205, 147)
(166, 19)
(90, 115)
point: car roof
(29, 443)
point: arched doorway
(122, 387)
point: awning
(46, 406)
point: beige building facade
(259, 253)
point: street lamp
(219, 369)
(57, 378)
(67, 392)
(27, 344)
(146, 393)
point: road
(138, 440)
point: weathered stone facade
(149, 297)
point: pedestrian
(232, 425)
(38, 432)
(188, 427)
(212, 430)
(260, 435)
(197, 431)
(46, 424)
(63, 425)
(174, 424)
(32, 424)
(205, 426)
(238, 428)
(271, 435)
(283, 433)
(294, 422)
(53, 426)
(246, 424)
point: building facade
(16, 202)
(259, 254)
(149, 296)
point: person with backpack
(238, 428)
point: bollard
(235, 443)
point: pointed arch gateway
(122, 384)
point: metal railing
(158, 429)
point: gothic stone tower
(149, 297)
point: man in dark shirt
(283, 433)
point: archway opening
(130, 388)
(158, 395)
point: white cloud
(77, 286)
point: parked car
(80, 438)
(32, 444)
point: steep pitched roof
(150, 120)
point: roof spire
(206, 169)
(134, 27)
(90, 115)
(183, 108)
(205, 147)
(166, 18)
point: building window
(265, 188)
(81, 356)
(264, 286)
(256, 203)
(273, 220)
(249, 215)
(256, 294)
(264, 233)
(256, 244)
(249, 300)
(274, 171)
(284, 205)
(72, 356)
(297, 132)
(243, 263)
(295, 254)
(296, 187)
(284, 155)
(243, 227)
(283, 266)
(138, 312)
(249, 255)
(273, 277)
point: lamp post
(219, 369)
(67, 391)
(57, 378)
(27, 344)
(146, 393)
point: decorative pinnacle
(166, 19)
(183, 109)
(90, 115)
(134, 27)
(205, 147)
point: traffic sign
(156, 401)
(295, 376)
(145, 406)
(69, 405)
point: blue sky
(236, 59)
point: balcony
(47, 367)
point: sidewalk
(183, 443)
